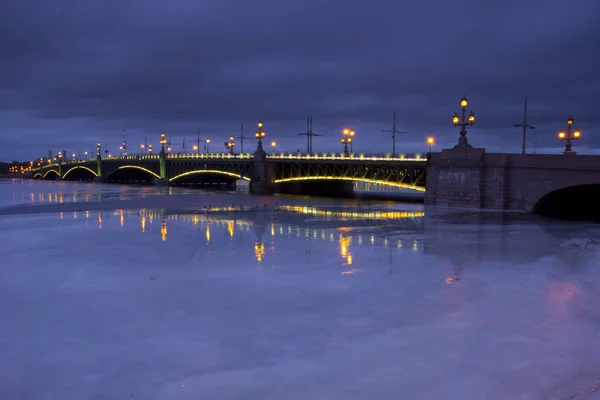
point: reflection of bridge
(282, 221)
(302, 174)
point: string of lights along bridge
(460, 120)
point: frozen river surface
(286, 301)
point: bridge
(566, 184)
(325, 174)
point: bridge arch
(38, 174)
(577, 202)
(131, 174)
(208, 171)
(51, 170)
(350, 179)
(82, 168)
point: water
(159, 296)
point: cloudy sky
(73, 72)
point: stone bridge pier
(545, 184)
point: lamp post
(462, 121)
(273, 145)
(207, 142)
(230, 144)
(569, 136)
(347, 139)
(150, 149)
(259, 134)
(163, 141)
(431, 141)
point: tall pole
(198, 143)
(309, 135)
(525, 126)
(310, 131)
(242, 138)
(124, 143)
(393, 131)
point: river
(114, 292)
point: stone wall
(476, 179)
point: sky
(73, 73)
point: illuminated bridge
(284, 173)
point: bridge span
(324, 174)
(561, 184)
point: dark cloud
(76, 72)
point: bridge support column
(455, 178)
(160, 182)
(262, 174)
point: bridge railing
(351, 156)
(274, 156)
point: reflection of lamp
(163, 229)
(259, 251)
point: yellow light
(561, 134)
(455, 119)
(338, 178)
(207, 233)
(140, 168)
(259, 251)
(464, 102)
(79, 166)
(163, 230)
(142, 146)
(51, 170)
(207, 140)
(576, 134)
(352, 133)
(430, 140)
(471, 118)
(209, 171)
(260, 124)
(256, 134)
(570, 121)
(273, 144)
(346, 131)
(168, 149)
(195, 147)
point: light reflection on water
(348, 229)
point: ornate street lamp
(347, 139)
(260, 134)
(207, 144)
(463, 121)
(431, 141)
(230, 144)
(569, 136)
(163, 142)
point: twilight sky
(74, 72)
